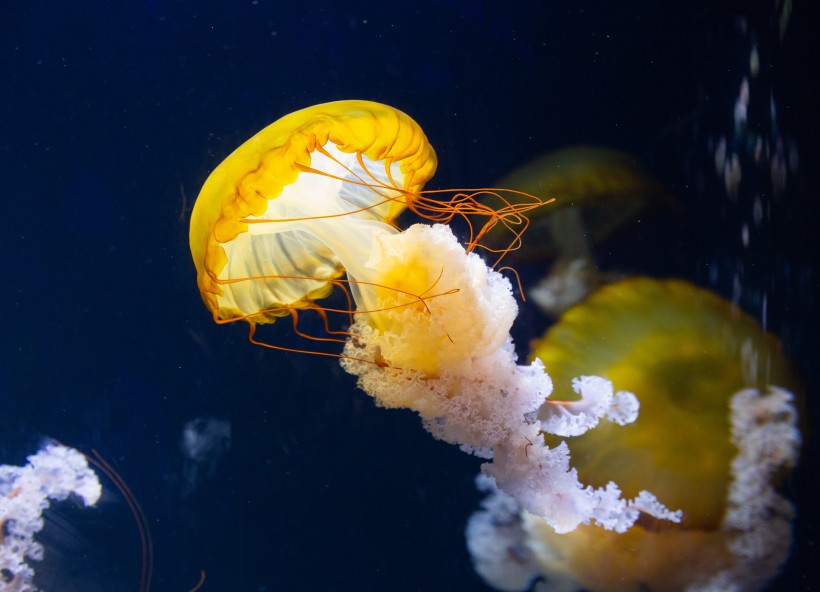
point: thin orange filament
(324, 312)
(200, 583)
(146, 542)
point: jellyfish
(598, 192)
(204, 443)
(310, 204)
(716, 435)
(53, 473)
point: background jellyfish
(315, 195)
(52, 474)
(203, 445)
(598, 192)
(716, 435)
(597, 189)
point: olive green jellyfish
(716, 433)
(598, 191)
(309, 204)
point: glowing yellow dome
(298, 203)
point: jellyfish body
(52, 474)
(717, 432)
(598, 193)
(598, 190)
(300, 202)
(313, 197)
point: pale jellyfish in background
(53, 474)
(309, 204)
(716, 436)
(204, 443)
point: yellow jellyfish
(300, 203)
(309, 204)
(716, 431)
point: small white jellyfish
(52, 474)
(204, 443)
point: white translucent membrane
(54, 473)
(452, 361)
(508, 553)
(317, 225)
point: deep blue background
(113, 114)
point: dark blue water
(113, 114)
